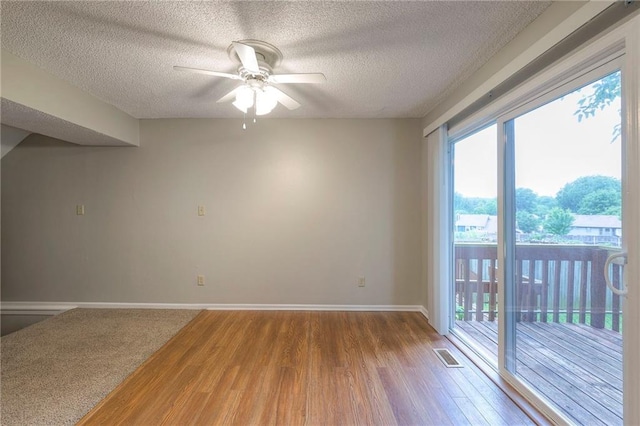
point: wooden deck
(577, 367)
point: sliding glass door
(562, 200)
(544, 271)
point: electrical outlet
(200, 280)
(80, 209)
(361, 282)
(201, 211)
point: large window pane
(475, 236)
(568, 200)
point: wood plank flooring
(578, 368)
(314, 368)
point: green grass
(562, 317)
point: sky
(552, 149)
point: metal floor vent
(447, 358)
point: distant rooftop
(475, 220)
(596, 221)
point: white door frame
(631, 120)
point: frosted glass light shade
(240, 106)
(244, 98)
(265, 102)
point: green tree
(572, 194)
(544, 204)
(473, 205)
(526, 200)
(460, 203)
(527, 222)
(558, 221)
(487, 206)
(606, 90)
(602, 201)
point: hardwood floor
(315, 368)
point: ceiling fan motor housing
(269, 56)
(265, 71)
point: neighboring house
(485, 225)
(473, 222)
(583, 225)
(596, 226)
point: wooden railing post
(480, 291)
(468, 291)
(598, 288)
(616, 309)
(493, 290)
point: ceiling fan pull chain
(244, 121)
(255, 105)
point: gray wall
(10, 137)
(296, 210)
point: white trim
(503, 232)
(30, 308)
(303, 307)
(33, 308)
(437, 242)
(424, 312)
(34, 312)
(631, 219)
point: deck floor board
(577, 367)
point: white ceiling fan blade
(208, 72)
(283, 98)
(229, 96)
(313, 78)
(247, 55)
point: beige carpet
(55, 371)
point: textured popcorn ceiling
(381, 59)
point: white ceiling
(381, 59)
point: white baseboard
(424, 312)
(52, 308)
(304, 307)
(33, 308)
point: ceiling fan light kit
(257, 60)
(253, 94)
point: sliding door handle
(616, 259)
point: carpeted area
(55, 371)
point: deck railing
(554, 283)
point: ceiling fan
(257, 60)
